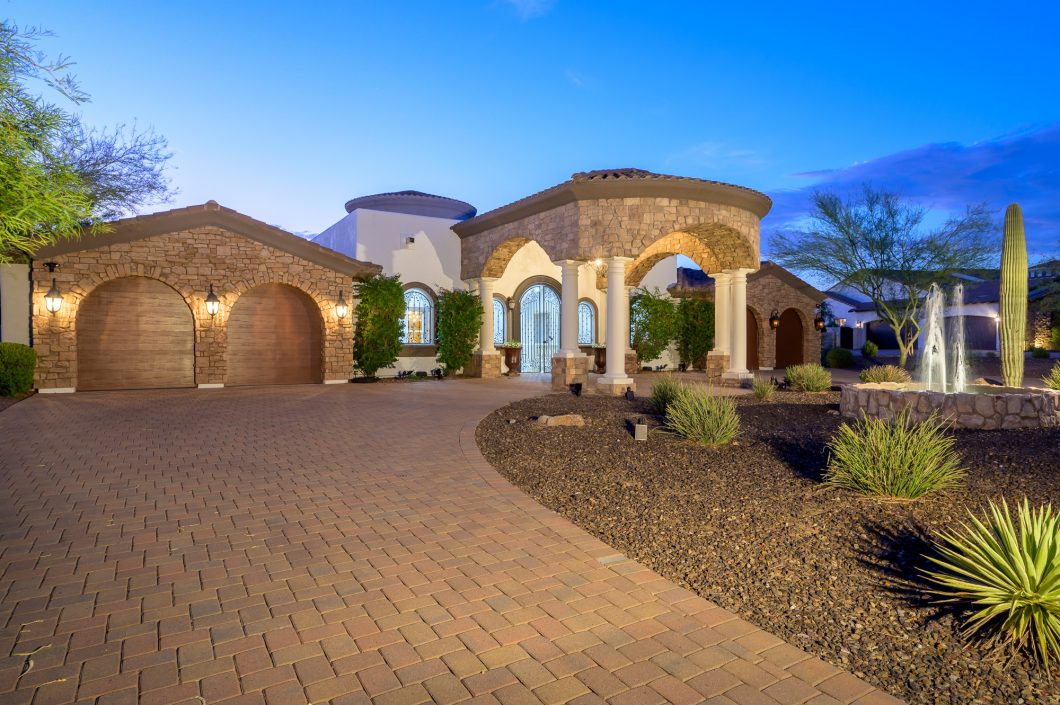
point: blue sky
(285, 110)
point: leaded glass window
(419, 318)
(498, 322)
(586, 323)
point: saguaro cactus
(1013, 321)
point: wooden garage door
(274, 337)
(135, 333)
(789, 339)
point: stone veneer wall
(1026, 408)
(189, 261)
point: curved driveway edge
(343, 544)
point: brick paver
(333, 544)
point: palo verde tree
(876, 244)
(653, 319)
(459, 324)
(57, 175)
(380, 314)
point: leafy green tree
(377, 335)
(459, 324)
(653, 319)
(695, 336)
(875, 244)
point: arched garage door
(274, 337)
(789, 339)
(135, 333)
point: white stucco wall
(14, 303)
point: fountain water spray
(960, 363)
(939, 360)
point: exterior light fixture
(774, 319)
(640, 429)
(341, 309)
(213, 304)
(53, 300)
(841, 322)
(818, 322)
(859, 324)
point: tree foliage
(459, 324)
(653, 319)
(380, 311)
(695, 332)
(876, 244)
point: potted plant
(513, 350)
(600, 357)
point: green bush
(810, 377)
(459, 326)
(380, 310)
(697, 415)
(1039, 353)
(1054, 335)
(885, 373)
(17, 363)
(653, 319)
(1006, 577)
(870, 349)
(838, 358)
(763, 389)
(1052, 379)
(664, 391)
(695, 331)
(895, 458)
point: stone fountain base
(980, 407)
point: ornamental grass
(664, 391)
(763, 389)
(697, 415)
(885, 373)
(1052, 379)
(810, 377)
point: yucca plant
(763, 389)
(808, 378)
(664, 391)
(885, 373)
(897, 458)
(696, 414)
(1007, 575)
(1052, 380)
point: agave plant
(1008, 575)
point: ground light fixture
(53, 300)
(341, 309)
(213, 304)
(774, 319)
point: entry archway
(790, 339)
(275, 336)
(752, 340)
(135, 333)
(539, 327)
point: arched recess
(275, 336)
(536, 320)
(754, 332)
(790, 338)
(135, 333)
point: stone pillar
(615, 380)
(718, 358)
(569, 365)
(738, 373)
(487, 361)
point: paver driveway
(340, 543)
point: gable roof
(690, 280)
(210, 214)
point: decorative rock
(562, 420)
(1008, 409)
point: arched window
(419, 318)
(586, 323)
(498, 322)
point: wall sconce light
(841, 322)
(774, 319)
(859, 324)
(53, 300)
(213, 304)
(818, 323)
(511, 303)
(341, 309)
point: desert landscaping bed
(751, 527)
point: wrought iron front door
(539, 327)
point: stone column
(487, 361)
(738, 372)
(718, 358)
(569, 365)
(615, 380)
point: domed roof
(414, 203)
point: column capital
(569, 262)
(617, 259)
(487, 280)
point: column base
(717, 365)
(632, 363)
(737, 379)
(486, 365)
(615, 386)
(568, 370)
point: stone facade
(1004, 409)
(484, 365)
(189, 261)
(569, 370)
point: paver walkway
(342, 544)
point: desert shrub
(885, 373)
(763, 389)
(1052, 379)
(653, 320)
(17, 363)
(1039, 353)
(377, 337)
(893, 458)
(870, 349)
(664, 391)
(1006, 577)
(810, 377)
(696, 414)
(695, 331)
(838, 358)
(1054, 337)
(459, 325)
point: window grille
(498, 322)
(419, 318)
(586, 323)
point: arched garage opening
(275, 336)
(135, 333)
(789, 339)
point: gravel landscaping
(751, 527)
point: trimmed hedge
(838, 358)
(17, 363)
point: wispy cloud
(1023, 167)
(718, 156)
(529, 9)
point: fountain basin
(978, 407)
